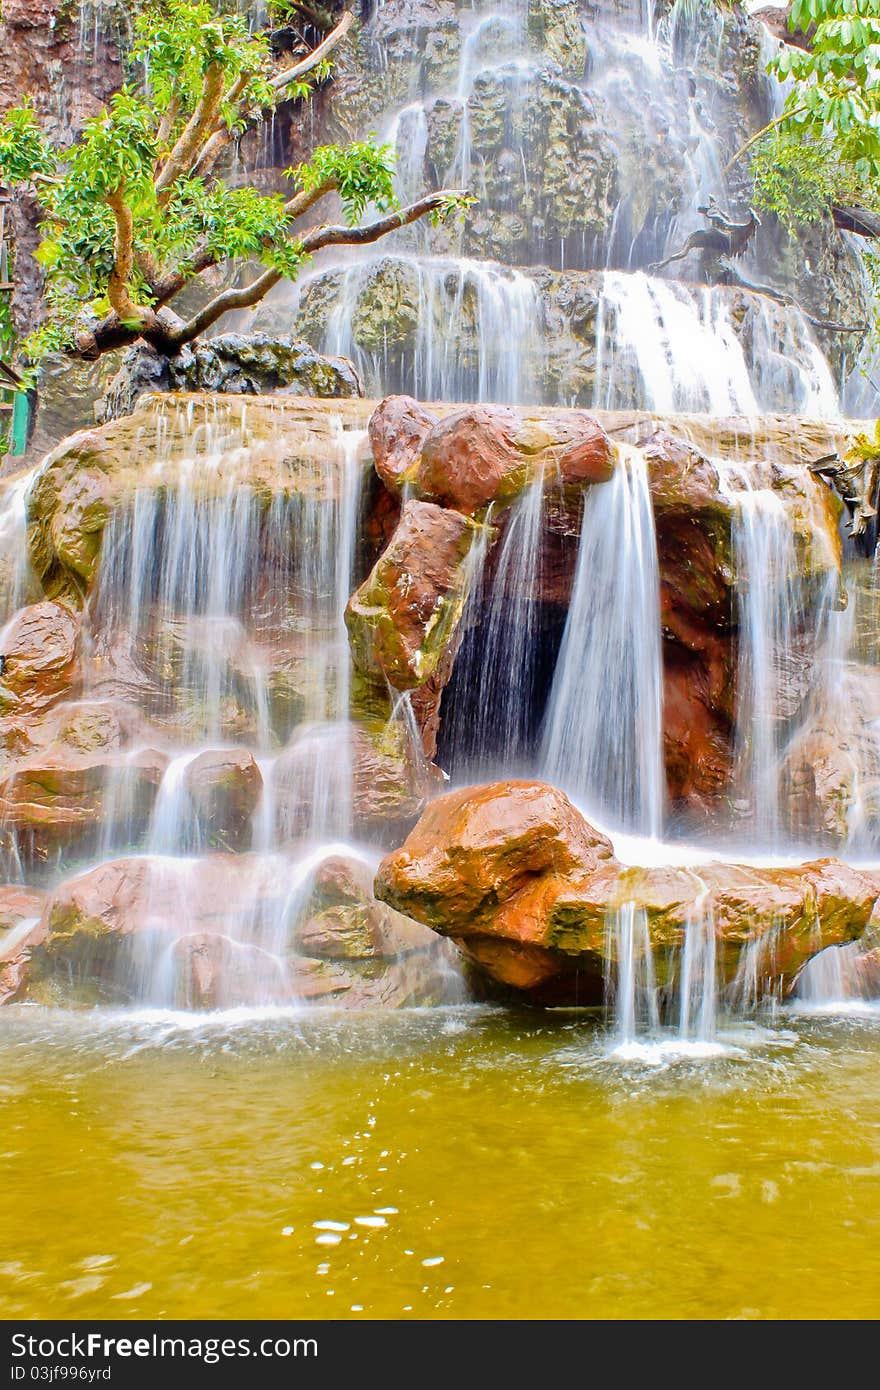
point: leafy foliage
(137, 207)
(825, 148)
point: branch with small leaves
(137, 208)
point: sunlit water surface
(436, 1164)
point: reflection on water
(445, 1163)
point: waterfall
(219, 605)
(698, 984)
(770, 619)
(666, 348)
(15, 571)
(495, 671)
(603, 733)
(474, 326)
(630, 978)
(836, 981)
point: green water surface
(482, 1164)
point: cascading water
(630, 977)
(698, 984)
(495, 674)
(464, 314)
(16, 579)
(603, 733)
(667, 349)
(220, 606)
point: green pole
(20, 418)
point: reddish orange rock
(486, 454)
(404, 615)
(525, 887)
(398, 428)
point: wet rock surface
(237, 364)
(524, 885)
(226, 931)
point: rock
(224, 931)
(224, 787)
(58, 799)
(18, 904)
(38, 658)
(284, 444)
(398, 427)
(831, 768)
(486, 454)
(366, 771)
(475, 848)
(238, 364)
(525, 887)
(557, 27)
(403, 617)
(471, 459)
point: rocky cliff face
(64, 59)
(589, 135)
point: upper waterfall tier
(457, 330)
(590, 137)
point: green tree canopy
(823, 151)
(138, 208)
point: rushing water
(492, 725)
(313, 1173)
(603, 736)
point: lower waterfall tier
(247, 635)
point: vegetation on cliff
(821, 155)
(139, 207)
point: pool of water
(469, 1163)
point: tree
(822, 154)
(137, 209)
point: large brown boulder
(276, 446)
(398, 428)
(476, 848)
(404, 616)
(527, 889)
(484, 454)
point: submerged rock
(237, 364)
(528, 889)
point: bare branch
(362, 236)
(314, 240)
(221, 135)
(317, 55)
(759, 135)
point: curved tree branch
(317, 55)
(314, 240)
(166, 287)
(123, 261)
(203, 118)
(221, 136)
